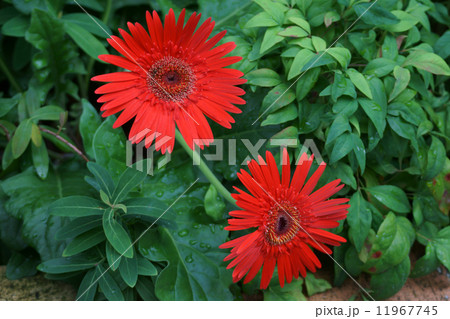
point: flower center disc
(282, 224)
(171, 79)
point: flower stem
(204, 168)
(10, 77)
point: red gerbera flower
(177, 77)
(288, 218)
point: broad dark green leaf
(342, 146)
(388, 283)
(113, 257)
(146, 289)
(425, 264)
(20, 266)
(442, 245)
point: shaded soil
(34, 288)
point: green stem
(205, 169)
(10, 77)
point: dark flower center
(171, 79)
(282, 224)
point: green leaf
(262, 19)
(214, 205)
(21, 138)
(84, 242)
(342, 146)
(425, 264)
(48, 113)
(78, 226)
(16, 27)
(402, 77)
(148, 207)
(109, 148)
(345, 106)
(407, 21)
(319, 44)
(339, 126)
(88, 286)
(315, 285)
(20, 266)
(89, 122)
(435, 159)
(293, 32)
(128, 269)
(390, 247)
(129, 179)
(117, 235)
(442, 245)
(360, 152)
(109, 286)
(359, 219)
(380, 67)
(342, 55)
(427, 61)
(271, 38)
(388, 283)
(40, 160)
(300, 60)
(306, 82)
(30, 197)
(113, 257)
(277, 98)
(146, 289)
(360, 82)
(404, 130)
(392, 197)
(290, 292)
(376, 114)
(102, 177)
(88, 22)
(77, 206)
(85, 40)
(302, 23)
(275, 9)
(263, 77)
(284, 115)
(441, 46)
(65, 265)
(374, 14)
(7, 105)
(145, 267)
